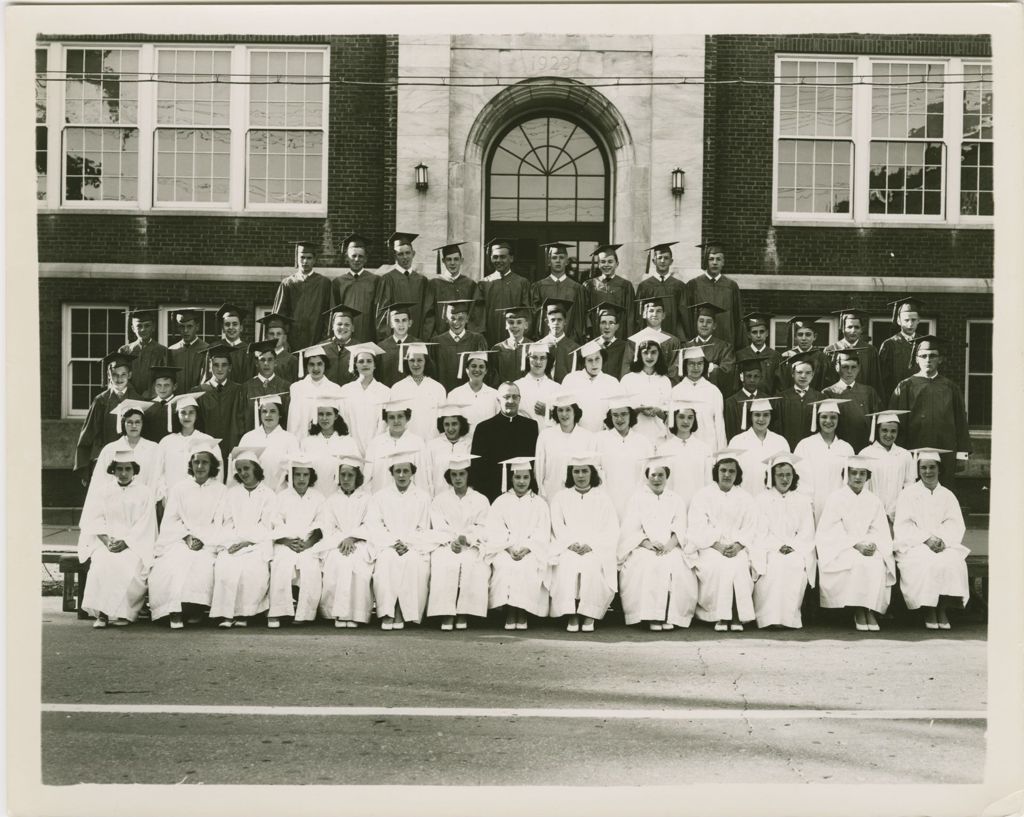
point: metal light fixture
(678, 182)
(421, 177)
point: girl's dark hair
(384, 414)
(312, 476)
(448, 474)
(647, 471)
(796, 476)
(391, 468)
(633, 414)
(577, 414)
(739, 470)
(359, 475)
(340, 426)
(595, 479)
(660, 366)
(463, 424)
(533, 480)
(693, 428)
(214, 464)
(257, 469)
(199, 424)
(135, 468)
(549, 366)
(132, 411)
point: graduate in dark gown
(222, 405)
(501, 289)
(145, 350)
(608, 317)
(357, 288)
(505, 435)
(938, 417)
(559, 286)
(804, 336)
(662, 283)
(713, 286)
(100, 425)
(265, 382)
(390, 367)
(560, 346)
(757, 348)
(304, 296)
(402, 284)
(163, 387)
(275, 328)
(450, 285)
(230, 317)
(719, 353)
(793, 416)
(342, 322)
(852, 323)
(188, 354)
(896, 354)
(508, 358)
(454, 341)
(751, 380)
(861, 400)
(608, 287)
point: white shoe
(226, 624)
(241, 623)
(460, 623)
(339, 624)
(944, 625)
(510, 625)
(177, 625)
(398, 625)
(351, 625)
(721, 627)
(447, 627)
(120, 622)
(387, 624)
(588, 627)
(99, 624)
(572, 627)
(521, 625)
(874, 628)
(736, 627)
(273, 623)
(667, 626)
(656, 627)
(931, 625)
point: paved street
(147, 705)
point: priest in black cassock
(145, 350)
(100, 425)
(402, 284)
(188, 354)
(505, 435)
(357, 288)
(304, 296)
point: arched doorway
(548, 178)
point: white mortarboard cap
(829, 405)
(350, 460)
(539, 347)
(416, 348)
(301, 461)
(124, 455)
(727, 454)
(887, 416)
(783, 458)
(514, 464)
(397, 405)
(408, 455)
(618, 402)
(695, 352)
(356, 348)
(647, 335)
(262, 400)
(251, 453)
(929, 454)
(756, 404)
(696, 406)
(465, 357)
(564, 399)
(658, 461)
(459, 462)
(452, 410)
(585, 458)
(127, 405)
(176, 404)
(310, 351)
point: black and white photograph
(451, 405)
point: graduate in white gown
(894, 467)
(623, 450)
(364, 398)
(148, 455)
(591, 385)
(398, 530)
(822, 455)
(695, 387)
(181, 582)
(648, 381)
(481, 400)
(855, 559)
(313, 387)
(424, 394)
(518, 546)
(241, 572)
(555, 445)
(454, 441)
(117, 534)
(537, 388)
(782, 556)
(396, 437)
(277, 446)
(458, 573)
(177, 447)
(296, 562)
(347, 557)
(327, 440)
(929, 543)
(757, 443)
(585, 535)
(722, 524)
(657, 581)
(691, 457)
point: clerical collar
(509, 417)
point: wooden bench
(73, 576)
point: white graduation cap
(581, 458)
(299, 461)
(679, 405)
(591, 347)
(782, 458)
(689, 353)
(623, 401)
(202, 445)
(264, 400)
(407, 455)
(929, 454)
(647, 335)
(727, 454)
(514, 465)
(415, 348)
(829, 405)
(657, 461)
(396, 405)
(538, 347)
(564, 399)
(887, 416)
(859, 461)
(756, 404)
(124, 455)
(357, 348)
(125, 406)
(460, 462)
(316, 350)
(351, 460)
(451, 409)
(176, 404)
(249, 453)
(465, 357)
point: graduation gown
(895, 363)
(656, 587)
(854, 424)
(147, 454)
(565, 290)
(258, 387)
(554, 448)
(723, 516)
(446, 288)
(519, 521)
(337, 362)
(869, 373)
(303, 397)
(792, 414)
(533, 390)
(387, 363)
(481, 405)
(499, 293)
(506, 364)
(175, 452)
(781, 579)
(359, 292)
(425, 397)
(296, 517)
(710, 422)
(458, 581)
(362, 410)
(718, 352)
(724, 293)
(891, 472)
(691, 464)
(847, 578)
(616, 290)
(243, 367)
(439, 452)
(622, 461)
(770, 362)
(583, 584)
(732, 411)
(938, 418)
(324, 451)
(241, 580)
(592, 395)
(346, 579)
(678, 317)
(286, 366)
(99, 428)
(562, 349)
(154, 421)
(380, 448)
(614, 358)
(446, 356)
(924, 574)
(499, 438)
(181, 575)
(192, 362)
(304, 299)
(820, 468)
(223, 413)
(669, 350)
(280, 446)
(397, 286)
(821, 362)
(754, 469)
(656, 389)
(148, 355)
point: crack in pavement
(746, 705)
(703, 664)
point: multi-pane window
(101, 137)
(90, 333)
(781, 332)
(979, 373)
(868, 139)
(167, 328)
(286, 120)
(547, 169)
(193, 137)
(976, 148)
(815, 146)
(219, 127)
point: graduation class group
(403, 447)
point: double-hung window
(870, 140)
(90, 332)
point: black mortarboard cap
(118, 359)
(755, 318)
(344, 309)
(226, 309)
(260, 346)
(163, 371)
(275, 317)
(914, 303)
(401, 238)
(708, 308)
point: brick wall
(360, 183)
(738, 171)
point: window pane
(907, 100)
(818, 180)
(101, 164)
(194, 87)
(292, 174)
(101, 87)
(899, 168)
(281, 91)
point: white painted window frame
(967, 366)
(163, 328)
(67, 412)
